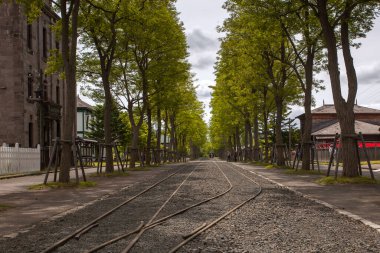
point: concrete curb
(340, 211)
(37, 173)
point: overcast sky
(201, 17)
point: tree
(99, 34)
(120, 127)
(252, 65)
(341, 22)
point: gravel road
(278, 220)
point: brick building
(325, 123)
(30, 100)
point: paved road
(28, 207)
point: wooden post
(299, 155)
(118, 158)
(332, 155)
(316, 152)
(51, 161)
(337, 158)
(74, 151)
(366, 156)
(295, 156)
(358, 155)
(100, 158)
(57, 160)
(79, 154)
(312, 150)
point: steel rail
(141, 232)
(117, 238)
(161, 220)
(80, 230)
(214, 222)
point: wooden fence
(15, 160)
(373, 153)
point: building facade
(325, 123)
(31, 101)
(84, 116)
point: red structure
(325, 125)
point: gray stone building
(30, 101)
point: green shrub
(58, 185)
(346, 180)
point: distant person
(228, 156)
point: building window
(57, 95)
(30, 134)
(58, 128)
(29, 38)
(45, 91)
(30, 85)
(44, 43)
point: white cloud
(203, 89)
(369, 74)
(204, 62)
(199, 42)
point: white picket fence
(15, 160)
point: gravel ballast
(278, 220)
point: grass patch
(58, 185)
(112, 174)
(139, 169)
(272, 166)
(346, 180)
(261, 163)
(303, 172)
(4, 207)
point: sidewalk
(24, 207)
(357, 199)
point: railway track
(179, 215)
(94, 223)
(204, 226)
(85, 228)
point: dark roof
(360, 126)
(83, 105)
(330, 109)
(357, 109)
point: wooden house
(325, 123)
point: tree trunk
(247, 129)
(149, 136)
(165, 135)
(265, 120)
(107, 124)
(69, 48)
(238, 144)
(256, 147)
(158, 144)
(135, 144)
(229, 145)
(344, 110)
(173, 136)
(279, 141)
(250, 150)
(306, 134)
